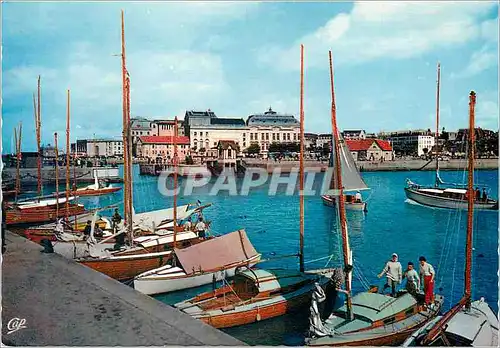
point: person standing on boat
(358, 197)
(393, 272)
(116, 219)
(478, 194)
(87, 229)
(188, 225)
(412, 279)
(427, 275)
(485, 195)
(200, 228)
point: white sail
(351, 179)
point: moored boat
(255, 295)
(200, 264)
(40, 211)
(350, 203)
(466, 323)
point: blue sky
(239, 58)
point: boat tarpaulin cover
(222, 251)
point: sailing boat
(352, 183)
(467, 323)
(40, 209)
(440, 196)
(124, 263)
(259, 294)
(95, 189)
(367, 318)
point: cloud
(487, 111)
(480, 61)
(386, 30)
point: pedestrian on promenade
(393, 272)
(427, 275)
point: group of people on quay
(394, 274)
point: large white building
(205, 130)
(104, 147)
(417, 142)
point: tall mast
(74, 178)
(38, 140)
(340, 199)
(17, 138)
(175, 182)
(57, 176)
(466, 299)
(126, 134)
(436, 141)
(67, 159)
(301, 180)
(470, 205)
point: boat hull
(445, 202)
(257, 310)
(164, 285)
(127, 267)
(330, 202)
(15, 215)
(98, 192)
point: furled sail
(351, 179)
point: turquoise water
(390, 225)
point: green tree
(253, 149)
(275, 147)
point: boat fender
(258, 317)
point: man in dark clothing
(116, 219)
(88, 228)
(485, 196)
(478, 194)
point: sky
(239, 58)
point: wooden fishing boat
(255, 295)
(200, 264)
(368, 318)
(40, 211)
(444, 195)
(350, 203)
(466, 323)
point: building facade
(161, 148)
(417, 142)
(271, 127)
(104, 147)
(370, 150)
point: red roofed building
(370, 149)
(162, 147)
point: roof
(225, 250)
(227, 121)
(225, 144)
(150, 139)
(271, 117)
(365, 144)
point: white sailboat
(445, 195)
(467, 323)
(352, 180)
(200, 264)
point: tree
(253, 149)
(189, 160)
(425, 150)
(202, 150)
(275, 147)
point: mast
(17, 139)
(175, 182)
(466, 299)
(74, 179)
(470, 205)
(57, 176)
(340, 199)
(301, 165)
(67, 159)
(437, 123)
(126, 133)
(38, 140)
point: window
(267, 136)
(288, 136)
(251, 136)
(274, 136)
(194, 133)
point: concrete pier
(59, 302)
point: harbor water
(392, 224)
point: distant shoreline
(387, 166)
